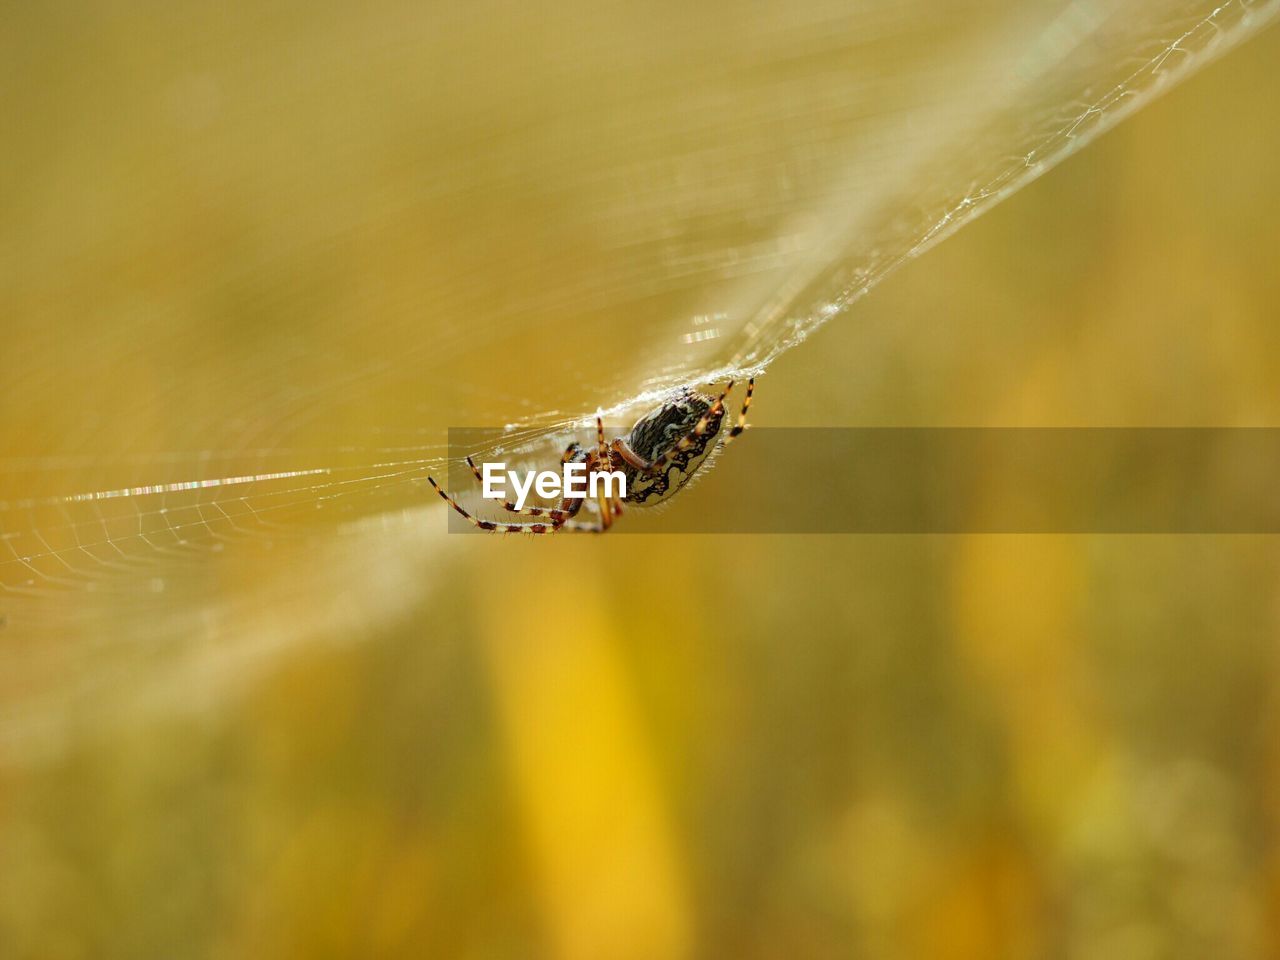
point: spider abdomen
(660, 433)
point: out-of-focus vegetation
(392, 742)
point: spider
(661, 453)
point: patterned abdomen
(660, 432)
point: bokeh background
(296, 718)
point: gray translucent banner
(948, 480)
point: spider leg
(623, 449)
(570, 507)
(492, 527)
(742, 417)
(561, 517)
(594, 465)
(555, 515)
(688, 439)
(606, 512)
(577, 526)
(602, 448)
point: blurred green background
(294, 237)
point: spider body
(662, 452)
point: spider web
(651, 199)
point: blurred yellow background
(303, 721)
